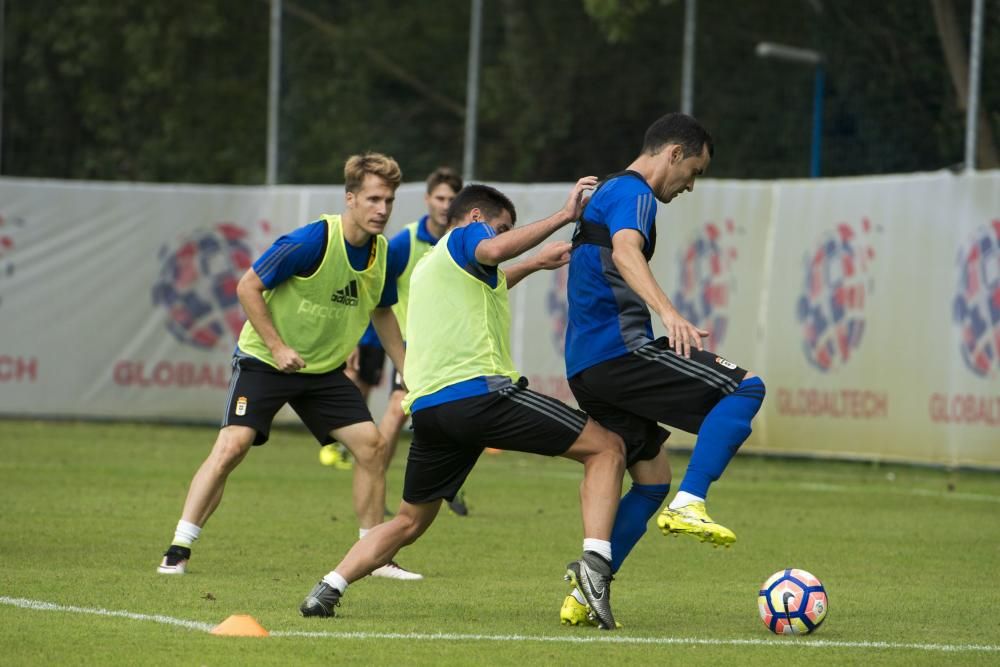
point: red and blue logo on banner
(706, 281)
(832, 306)
(7, 245)
(197, 286)
(976, 308)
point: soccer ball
(792, 602)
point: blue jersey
(462, 246)
(396, 260)
(607, 319)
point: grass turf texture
(908, 556)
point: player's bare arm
(631, 263)
(250, 291)
(551, 256)
(354, 360)
(509, 243)
(387, 328)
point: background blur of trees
(175, 90)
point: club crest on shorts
(725, 363)
(241, 406)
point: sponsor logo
(241, 406)
(197, 285)
(347, 295)
(831, 308)
(725, 363)
(558, 309)
(181, 374)
(836, 403)
(976, 308)
(965, 409)
(18, 369)
(313, 309)
(707, 281)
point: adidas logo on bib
(347, 295)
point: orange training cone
(240, 625)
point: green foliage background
(176, 90)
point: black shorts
(448, 438)
(323, 401)
(371, 364)
(632, 394)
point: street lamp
(805, 57)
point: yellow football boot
(574, 613)
(691, 519)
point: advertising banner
(869, 306)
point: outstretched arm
(510, 244)
(551, 256)
(250, 291)
(628, 258)
(387, 328)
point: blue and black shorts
(634, 393)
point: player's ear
(350, 199)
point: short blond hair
(383, 166)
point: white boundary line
(38, 605)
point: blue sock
(721, 434)
(634, 511)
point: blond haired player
(308, 299)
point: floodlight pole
(687, 62)
(972, 101)
(472, 91)
(817, 134)
(273, 94)
(2, 26)
(815, 59)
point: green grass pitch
(910, 558)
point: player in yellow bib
(308, 299)
(406, 248)
(465, 394)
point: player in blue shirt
(629, 382)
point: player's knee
(411, 526)
(232, 446)
(612, 447)
(371, 452)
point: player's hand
(576, 201)
(553, 255)
(288, 360)
(681, 334)
(354, 360)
